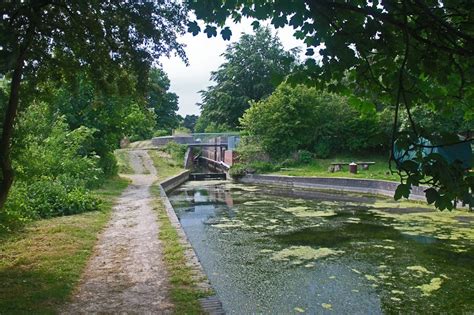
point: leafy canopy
(398, 52)
(254, 66)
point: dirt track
(126, 273)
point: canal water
(276, 251)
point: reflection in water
(274, 251)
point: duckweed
(305, 253)
(434, 285)
(270, 253)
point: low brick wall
(379, 187)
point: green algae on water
(434, 285)
(327, 306)
(304, 253)
(419, 269)
(301, 211)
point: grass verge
(319, 168)
(165, 166)
(41, 264)
(184, 291)
(123, 161)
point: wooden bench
(338, 166)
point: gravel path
(126, 273)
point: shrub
(17, 209)
(305, 156)
(237, 170)
(263, 167)
(322, 150)
(51, 198)
(303, 118)
(176, 150)
(161, 133)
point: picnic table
(338, 166)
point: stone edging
(370, 186)
(212, 304)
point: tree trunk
(7, 132)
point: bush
(322, 150)
(161, 133)
(305, 156)
(51, 198)
(176, 150)
(237, 170)
(263, 167)
(298, 117)
(17, 210)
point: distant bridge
(217, 149)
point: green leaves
(403, 190)
(193, 28)
(279, 21)
(431, 195)
(254, 66)
(211, 31)
(226, 33)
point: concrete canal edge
(210, 305)
(365, 186)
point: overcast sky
(204, 56)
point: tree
(103, 38)
(189, 122)
(304, 118)
(399, 52)
(163, 102)
(254, 66)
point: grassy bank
(319, 168)
(123, 161)
(184, 290)
(165, 165)
(41, 264)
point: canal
(277, 251)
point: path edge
(211, 304)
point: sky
(204, 56)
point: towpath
(126, 273)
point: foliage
(189, 122)
(262, 167)
(250, 150)
(176, 150)
(139, 123)
(302, 118)
(52, 253)
(404, 53)
(54, 168)
(305, 156)
(202, 125)
(163, 103)
(161, 133)
(238, 170)
(181, 131)
(254, 66)
(47, 148)
(45, 199)
(54, 41)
